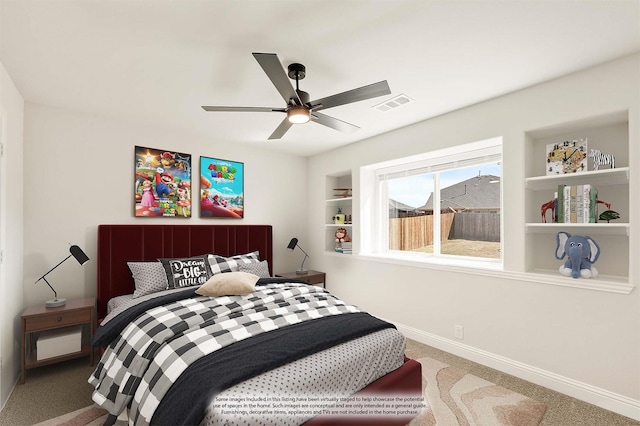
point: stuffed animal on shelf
(582, 253)
(342, 236)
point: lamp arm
(49, 271)
(303, 260)
(55, 293)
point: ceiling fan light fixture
(298, 114)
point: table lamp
(81, 257)
(292, 245)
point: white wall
(582, 342)
(11, 226)
(79, 172)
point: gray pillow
(149, 277)
(260, 269)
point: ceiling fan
(299, 108)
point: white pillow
(229, 284)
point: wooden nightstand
(312, 277)
(36, 319)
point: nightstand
(39, 319)
(312, 277)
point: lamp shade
(80, 256)
(292, 244)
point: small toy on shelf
(338, 219)
(609, 215)
(342, 236)
(602, 159)
(549, 205)
(343, 241)
(581, 251)
(342, 192)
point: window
(443, 205)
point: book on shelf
(593, 205)
(573, 204)
(345, 248)
(561, 203)
(577, 203)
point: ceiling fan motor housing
(304, 97)
(297, 71)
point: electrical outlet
(458, 331)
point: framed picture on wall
(221, 188)
(162, 183)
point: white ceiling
(155, 62)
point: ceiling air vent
(396, 102)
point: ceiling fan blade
(334, 123)
(273, 68)
(282, 129)
(242, 109)
(360, 94)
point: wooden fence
(410, 233)
(476, 227)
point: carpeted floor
(562, 410)
(59, 394)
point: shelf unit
(610, 134)
(333, 203)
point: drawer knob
(59, 318)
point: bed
(291, 385)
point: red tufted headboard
(118, 244)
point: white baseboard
(593, 395)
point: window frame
(374, 241)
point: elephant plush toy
(582, 253)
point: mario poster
(162, 183)
(221, 188)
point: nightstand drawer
(59, 319)
(313, 279)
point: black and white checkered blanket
(139, 367)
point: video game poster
(221, 188)
(162, 183)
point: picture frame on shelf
(566, 157)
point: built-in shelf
(345, 200)
(619, 176)
(610, 134)
(609, 283)
(332, 204)
(579, 228)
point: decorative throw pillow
(220, 264)
(260, 269)
(149, 277)
(187, 271)
(252, 257)
(229, 284)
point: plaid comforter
(143, 363)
